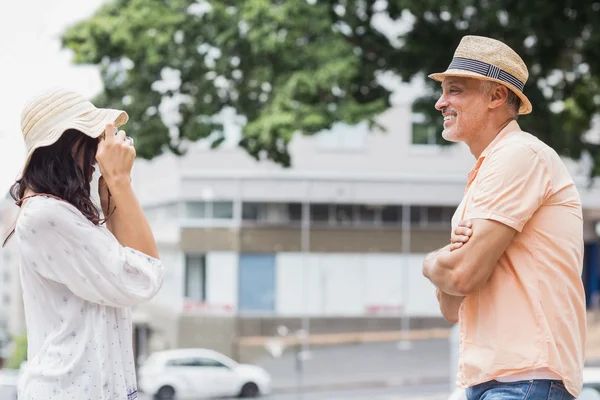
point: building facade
(11, 320)
(337, 239)
(333, 244)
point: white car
(200, 373)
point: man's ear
(499, 94)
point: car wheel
(165, 393)
(249, 390)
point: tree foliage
(19, 352)
(300, 66)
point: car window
(195, 362)
(182, 362)
(209, 362)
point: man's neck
(487, 136)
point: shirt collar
(512, 126)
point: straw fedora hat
(50, 114)
(488, 59)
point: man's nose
(441, 103)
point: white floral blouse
(78, 286)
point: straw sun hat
(491, 60)
(49, 115)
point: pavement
(424, 392)
(363, 365)
(419, 392)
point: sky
(33, 61)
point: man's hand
(463, 271)
(449, 305)
(461, 235)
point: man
(512, 278)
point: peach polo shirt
(529, 318)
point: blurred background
(291, 165)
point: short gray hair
(512, 100)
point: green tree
(19, 352)
(300, 66)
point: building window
(368, 215)
(344, 214)
(6, 299)
(253, 211)
(431, 216)
(195, 277)
(422, 132)
(195, 209)
(391, 215)
(439, 216)
(204, 210)
(418, 215)
(436, 215)
(295, 212)
(319, 212)
(266, 213)
(222, 210)
(165, 212)
(6, 277)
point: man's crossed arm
(461, 269)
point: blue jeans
(522, 390)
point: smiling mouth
(448, 120)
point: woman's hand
(115, 157)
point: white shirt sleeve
(61, 245)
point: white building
(241, 259)
(11, 302)
(230, 233)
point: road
(419, 392)
(377, 371)
(364, 364)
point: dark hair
(54, 170)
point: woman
(80, 276)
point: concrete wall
(275, 239)
(353, 285)
(226, 333)
(171, 295)
(325, 285)
(222, 279)
(11, 313)
(215, 332)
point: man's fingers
(466, 223)
(461, 235)
(460, 239)
(455, 246)
(463, 231)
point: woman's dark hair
(54, 170)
